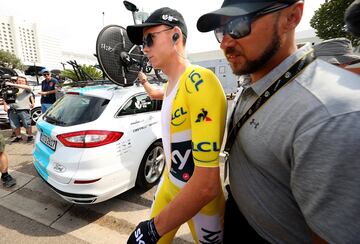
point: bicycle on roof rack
(119, 59)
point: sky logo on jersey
(196, 79)
(205, 147)
(202, 116)
(211, 237)
(182, 164)
(176, 117)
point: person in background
(19, 111)
(294, 133)
(338, 51)
(352, 18)
(13, 80)
(6, 178)
(193, 116)
(48, 90)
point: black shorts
(236, 227)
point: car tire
(35, 114)
(151, 167)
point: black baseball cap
(161, 16)
(234, 8)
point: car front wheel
(151, 167)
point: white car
(97, 142)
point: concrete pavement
(31, 211)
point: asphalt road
(31, 212)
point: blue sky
(78, 22)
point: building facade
(29, 42)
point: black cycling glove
(144, 233)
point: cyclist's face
(158, 52)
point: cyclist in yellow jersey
(193, 118)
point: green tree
(9, 60)
(90, 70)
(328, 21)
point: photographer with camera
(19, 110)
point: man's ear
(291, 16)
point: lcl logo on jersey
(196, 79)
(176, 117)
(205, 146)
(202, 116)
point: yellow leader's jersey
(198, 113)
(197, 123)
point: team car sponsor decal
(203, 116)
(196, 81)
(142, 104)
(182, 163)
(144, 126)
(177, 118)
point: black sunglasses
(149, 41)
(241, 26)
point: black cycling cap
(162, 16)
(234, 8)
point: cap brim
(135, 32)
(211, 21)
(347, 59)
(340, 59)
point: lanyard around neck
(287, 76)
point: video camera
(8, 93)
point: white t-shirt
(165, 123)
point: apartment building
(29, 42)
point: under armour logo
(254, 123)
(288, 75)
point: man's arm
(32, 102)
(155, 94)
(6, 107)
(26, 87)
(47, 92)
(203, 186)
(325, 178)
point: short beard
(251, 66)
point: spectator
(19, 111)
(337, 51)
(294, 133)
(6, 178)
(13, 80)
(48, 90)
(352, 18)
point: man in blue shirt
(48, 90)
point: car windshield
(72, 109)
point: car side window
(139, 104)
